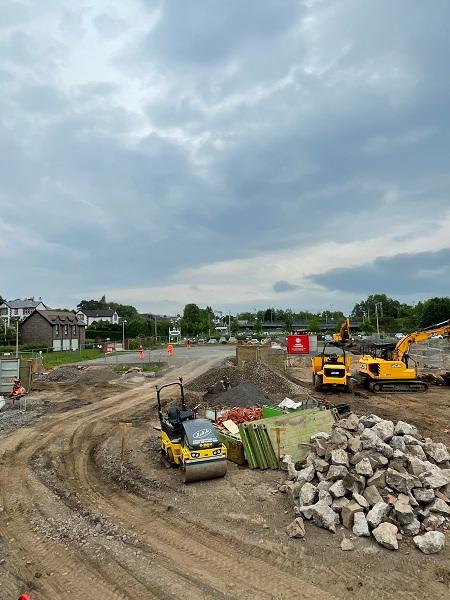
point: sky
(238, 154)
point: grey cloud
(284, 286)
(423, 273)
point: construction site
(229, 473)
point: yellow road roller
(191, 443)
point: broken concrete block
(423, 495)
(338, 440)
(369, 439)
(338, 503)
(378, 479)
(354, 444)
(417, 466)
(384, 429)
(296, 529)
(415, 450)
(320, 435)
(386, 535)
(350, 423)
(307, 494)
(347, 545)
(324, 516)
(324, 485)
(360, 525)
(433, 522)
(339, 457)
(402, 482)
(348, 513)
(403, 512)
(384, 449)
(440, 507)
(412, 528)
(377, 513)
(370, 421)
(306, 474)
(411, 440)
(361, 500)
(403, 428)
(434, 479)
(320, 465)
(325, 497)
(364, 468)
(372, 495)
(430, 542)
(338, 489)
(336, 472)
(437, 451)
(397, 443)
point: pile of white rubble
(374, 477)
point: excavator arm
(402, 347)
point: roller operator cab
(331, 369)
(191, 443)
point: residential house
(13, 310)
(57, 329)
(94, 316)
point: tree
(288, 320)
(367, 327)
(435, 310)
(390, 306)
(314, 325)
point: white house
(94, 316)
(17, 310)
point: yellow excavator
(344, 336)
(395, 375)
(191, 443)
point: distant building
(57, 329)
(89, 317)
(17, 310)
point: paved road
(180, 356)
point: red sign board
(298, 344)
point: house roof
(27, 303)
(58, 317)
(106, 312)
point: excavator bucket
(204, 469)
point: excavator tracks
(398, 386)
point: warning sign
(298, 344)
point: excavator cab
(331, 369)
(191, 443)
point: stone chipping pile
(376, 478)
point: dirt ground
(72, 525)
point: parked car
(399, 336)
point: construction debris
(375, 477)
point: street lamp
(124, 322)
(378, 304)
(17, 338)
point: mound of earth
(244, 394)
(89, 375)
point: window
(56, 330)
(66, 330)
(16, 311)
(74, 330)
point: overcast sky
(238, 153)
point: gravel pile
(266, 383)
(244, 394)
(72, 374)
(376, 477)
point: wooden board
(300, 426)
(231, 426)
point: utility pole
(156, 330)
(124, 322)
(17, 338)
(378, 304)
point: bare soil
(72, 525)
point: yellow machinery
(190, 443)
(331, 370)
(381, 375)
(344, 336)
